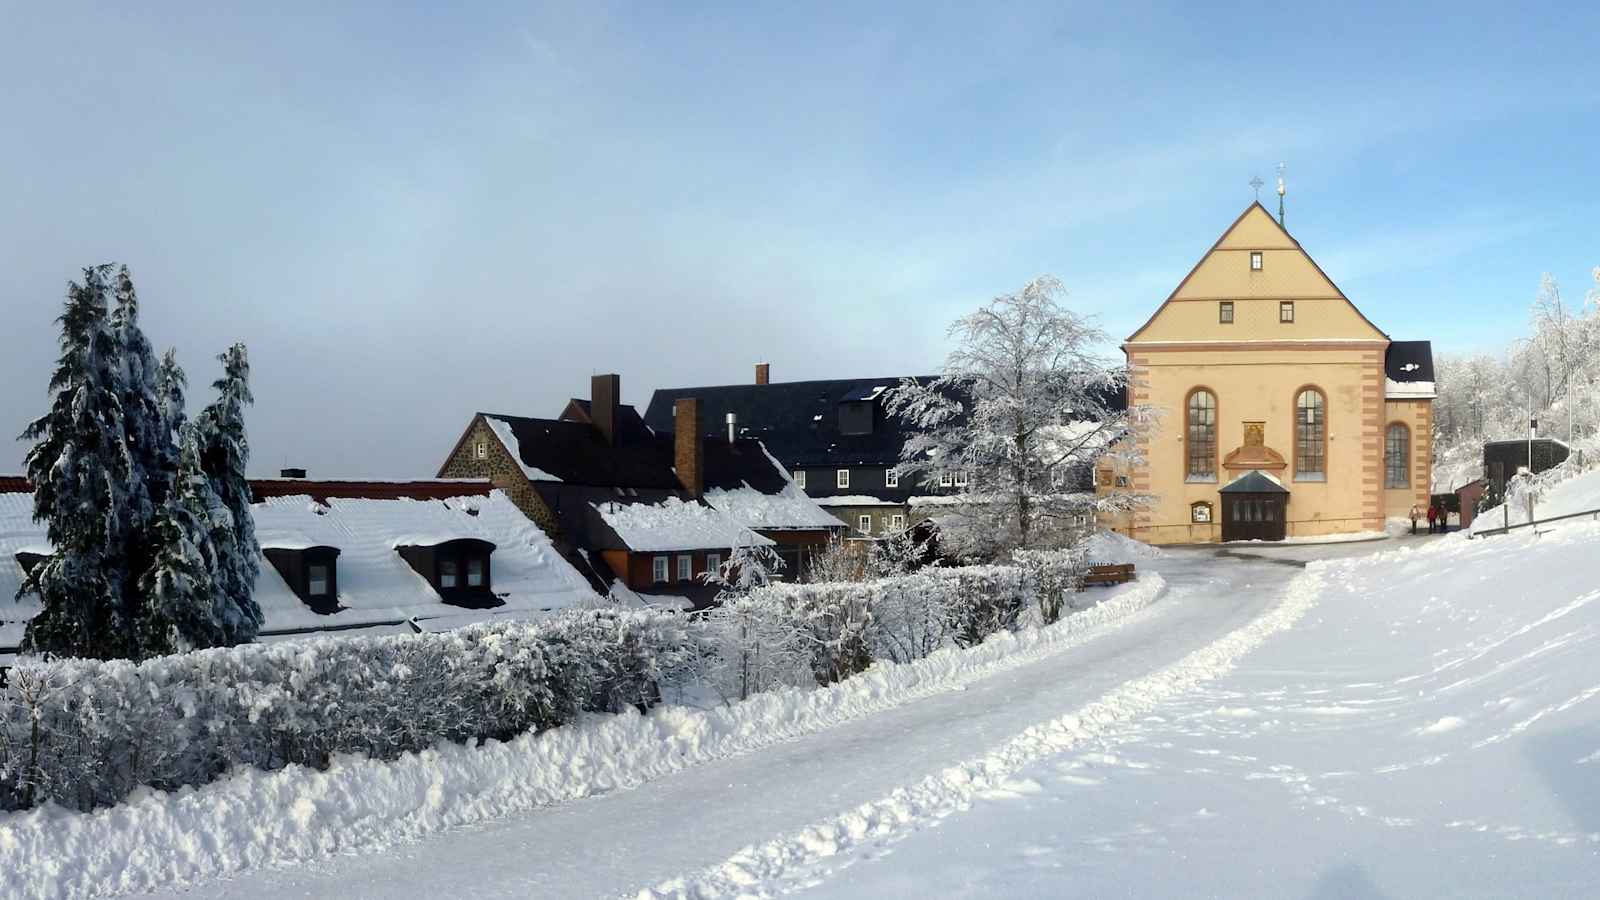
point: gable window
(891, 478)
(1200, 436)
(1397, 456)
(1255, 260)
(1225, 312)
(1310, 436)
(842, 478)
(800, 477)
(658, 570)
(897, 522)
(713, 563)
(685, 567)
(961, 478)
(1286, 311)
(481, 450)
(864, 523)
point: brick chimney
(687, 446)
(763, 373)
(605, 392)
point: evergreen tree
(224, 453)
(181, 599)
(170, 385)
(81, 471)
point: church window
(1310, 436)
(1200, 435)
(1225, 312)
(1255, 260)
(1286, 311)
(1397, 456)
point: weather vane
(1256, 183)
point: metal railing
(1507, 529)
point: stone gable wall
(501, 469)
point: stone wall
(499, 467)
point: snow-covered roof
(856, 500)
(375, 583)
(788, 510)
(675, 524)
(508, 440)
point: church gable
(1254, 267)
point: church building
(1282, 411)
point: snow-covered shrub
(913, 616)
(1057, 575)
(85, 734)
(752, 646)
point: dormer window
(312, 573)
(891, 478)
(856, 413)
(459, 570)
(1255, 260)
(842, 478)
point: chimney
(733, 428)
(291, 473)
(763, 373)
(605, 391)
(687, 455)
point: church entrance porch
(1254, 508)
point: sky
(410, 214)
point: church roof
(1254, 482)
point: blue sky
(410, 214)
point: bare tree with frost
(1022, 412)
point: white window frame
(841, 478)
(1286, 312)
(946, 479)
(800, 477)
(713, 564)
(961, 478)
(685, 567)
(659, 570)
(891, 478)
(480, 450)
(1256, 261)
(897, 522)
(864, 523)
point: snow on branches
(1022, 412)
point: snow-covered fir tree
(81, 470)
(1021, 413)
(224, 453)
(170, 385)
(180, 607)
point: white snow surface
(1409, 390)
(1416, 723)
(788, 510)
(1110, 548)
(18, 533)
(855, 500)
(1575, 495)
(675, 524)
(508, 440)
(254, 819)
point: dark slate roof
(1409, 361)
(1253, 482)
(577, 518)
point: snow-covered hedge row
(791, 634)
(85, 733)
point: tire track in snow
(798, 860)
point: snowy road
(621, 842)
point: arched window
(1310, 436)
(1397, 456)
(1200, 435)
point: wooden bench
(1109, 575)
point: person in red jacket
(1433, 516)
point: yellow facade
(1255, 364)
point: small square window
(475, 572)
(317, 581)
(685, 567)
(448, 577)
(864, 524)
(891, 478)
(842, 478)
(713, 563)
(1225, 312)
(481, 450)
(800, 478)
(897, 522)
(1286, 311)
(961, 478)
(658, 570)
(1255, 260)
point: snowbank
(256, 819)
(1559, 496)
(1108, 547)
